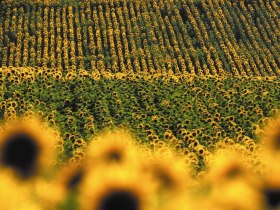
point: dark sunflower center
(75, 180)
(114, 156)
(165, 179)
(233, 172)
(20, 152)
(277, 141)
(119, 200)
(272, 197)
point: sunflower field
(140, 105)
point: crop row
(196, 37)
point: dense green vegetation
(156, 108)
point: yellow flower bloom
(26, 147)
(227, 165)
(169, 171)
(235, 194)
(70, 177)
(113, 147)
(13, 196)
(272, 135)
(117, 188)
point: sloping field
(197, 37)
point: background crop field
(197, 37)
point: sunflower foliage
(193, 114)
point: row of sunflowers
(193, 114)
(238, 38)
(118, 173)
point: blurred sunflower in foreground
(271, 182)
(26, 147)
(13, 196)
(116, 173)
(67, 182)
(117, 188)
(230, 185)
(113, 147)
(271, 138)
(168, 170)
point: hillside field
(140, 105)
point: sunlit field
(140, 105)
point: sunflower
(47, 192)
(14, 196)
(235, 194)
(26, 147)
(181, 202)
(271, 196)
(226, 165)
(270, 187)
(66, 185)
(113, 147)
(272, 135)
(169, 171)
(71, 176)
(117, 188)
